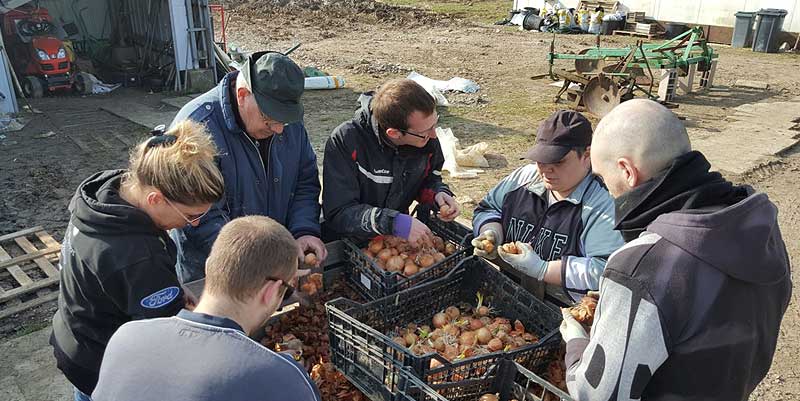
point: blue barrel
(768, 25)
(743, 29)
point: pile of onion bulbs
(395, 254)
(458, 333)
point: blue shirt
(196, 357)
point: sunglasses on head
(158, 138)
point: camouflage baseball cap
(277, 83)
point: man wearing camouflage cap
(256, 119)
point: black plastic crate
(508, 379)
(375, 283)
(362, 350)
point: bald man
(691, 306)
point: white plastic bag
(450, 150)
(583, 19)
(473, 155)
(99, 87)
(430, 86)
(436, 87)
(596, 22)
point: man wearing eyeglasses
(382, 160)
(206, 354)
(256, 119)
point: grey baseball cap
(277, 83)
(560, 133)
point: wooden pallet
(647, 29)
(28, 276)
(633, 17)
(644, 35)
(609, 7)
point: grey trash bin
(743, 29)
(768, 25)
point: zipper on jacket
(261, 159)
(269, 159)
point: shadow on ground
(726, 96)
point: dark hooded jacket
(367, 181)
(116, 266)
(691, 308)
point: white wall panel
(705, 12)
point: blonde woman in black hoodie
(117, 261)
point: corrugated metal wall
(150, 29)
(142, 23)
(91, 16)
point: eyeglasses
(426, 132)
(288, 288)
(190, 219)
(270, 123)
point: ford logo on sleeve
(160, 298)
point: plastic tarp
(436, 87)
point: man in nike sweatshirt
(691, 306)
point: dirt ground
(368, 43)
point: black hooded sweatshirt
(116, 266)
(691, 307)
(367, 181)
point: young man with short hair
(556, 210)
(377, 164)
(206, 354)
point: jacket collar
(381, 137)
(576, 197)
(225, 102)
(210, 320)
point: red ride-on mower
(38, 54)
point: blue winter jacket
(287, 190)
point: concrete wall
(703, 12)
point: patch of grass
(30, 328)
(521, 107)
(485, 11)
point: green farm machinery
(607, 76)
